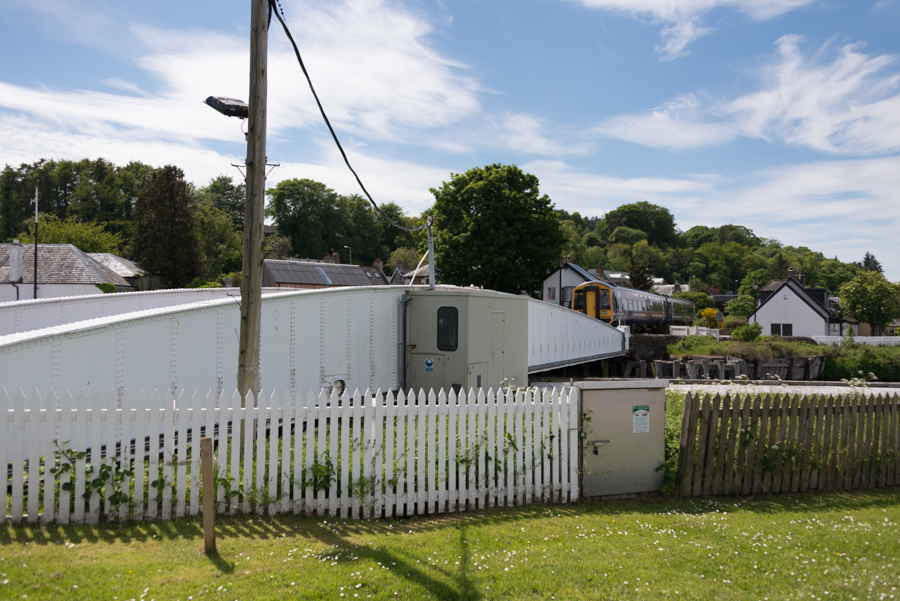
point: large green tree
(493, 228)
(165, 228)
(91, 237)
(222, 193)
(870, 298)
(306, 211)
(656, 221)
(221, 245)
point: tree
(221, 193)
(220, 244)
(90, 237)
(494, 229)
(409, 257)
(306, 211)
(638, 273)
(656, 221)
(627, 235)
(277, 247)
(870, 298)
(742, 306)
(870, 263)
(165, 228)
(701, 300)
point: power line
(279, 14)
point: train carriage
(617, 306)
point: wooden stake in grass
(209, 496)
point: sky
(780, 115)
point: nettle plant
(97, 477)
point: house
(309, 274)
(788, 308)
(671, 289)
(412, 277)
(568, 276)
(63, 270)
(138, 277)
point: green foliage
(408, 256)
(306, 212)
(494, 229)
(106, 287)
(201, 283)
(850, 359)
(638, 273)
(90, 237)
(870, 298)
(742, 306)
(701, 300)
(277, 247)
(221, 246)
(658, 222)
(627, 235)
(224, 195)
(870, 263)
(165, 228)
(747, 333)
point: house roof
(582, 272)
(59, 264)
(321, 274)
(669, 289)
(120, 265)
(801, 291)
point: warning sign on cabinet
(640, 418)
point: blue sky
(782, 115)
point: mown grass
(836, 546)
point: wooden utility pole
(251, 281)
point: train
(643, 311)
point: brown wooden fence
(745, 444)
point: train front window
(578, 301)
(604, 300)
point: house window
(447, 328)
(782, 329)
(551, 293)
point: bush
(747, 333)
(846, 361)
(201, 283)
(742, 306)
(701, 300)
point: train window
(447, 328)
(578, 301)
(604, 300)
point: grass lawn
(836, 546)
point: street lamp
(351, 254)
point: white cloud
(675, 125)
(682, 19)
(849, 105)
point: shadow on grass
(221, 564)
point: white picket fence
(362, 455)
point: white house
(791, 309)
(564, 278)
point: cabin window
(551, 293)
(782, 329)
(775, 329)
(604, 300)
(578, 301)
(447, 328)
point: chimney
(790, 273)
(15, 262)
(601, 273)
(379, 265)
(398, 265)
(335, 257)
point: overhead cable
(280, 16)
